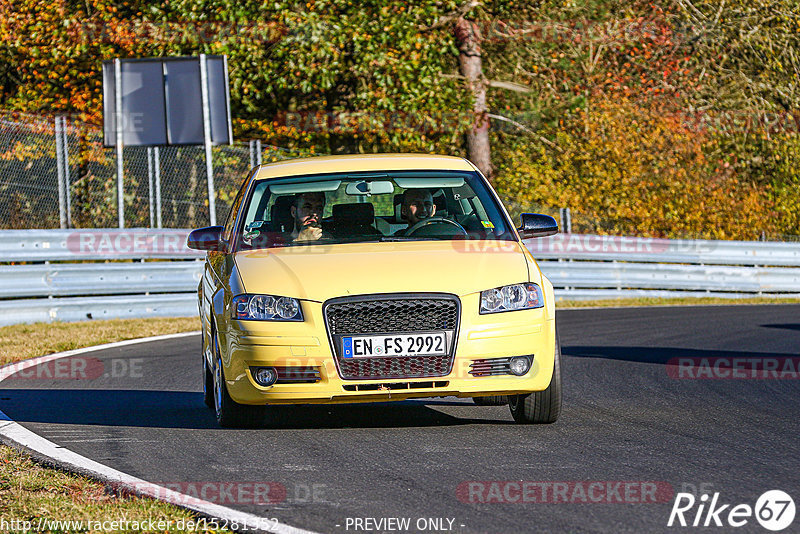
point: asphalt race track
(625, 419)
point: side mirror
(209, 238)
(537, 225)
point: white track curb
(15, 433)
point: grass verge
(21, 341)
(31, 494)
(33, 498)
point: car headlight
(266, 308)
(509, 298)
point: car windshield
(363, 207)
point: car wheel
(491, 400)
(229, 412)
(208, 382)
(541, 406)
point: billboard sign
(162, 101)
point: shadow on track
(660, 355)
(170, 409)
(788, 326)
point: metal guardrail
(61, 266)
(709, 278)
(144, 243)
(649, 250)
(611, 294)
(79, 245)
(89, 279)
(82, 308)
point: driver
(417, 205)
(307, 214)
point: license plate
(428, 344)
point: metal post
(258, 151)
(150, 182)
(566, 220)
(252, 153)
(568, 226)
(118, 124)
(67, 181)
(62, 202)
(212, 205)
(227, 97)
(157, 165)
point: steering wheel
(421, 225)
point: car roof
(362, 163)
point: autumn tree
(604, 106)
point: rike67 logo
(774, 510)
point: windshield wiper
(407, 238)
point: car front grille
(390, 314)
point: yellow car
(374, 278)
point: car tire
(491, 400)
(540, 407)
(208, 382)
(231, 414)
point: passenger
(307, 214)
(417, 206)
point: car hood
(320, 272)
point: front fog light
(519, 365)
(264, 376)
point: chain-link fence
(29, 178)
(57, 173)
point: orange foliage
(637, 171)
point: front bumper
(306, 344)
